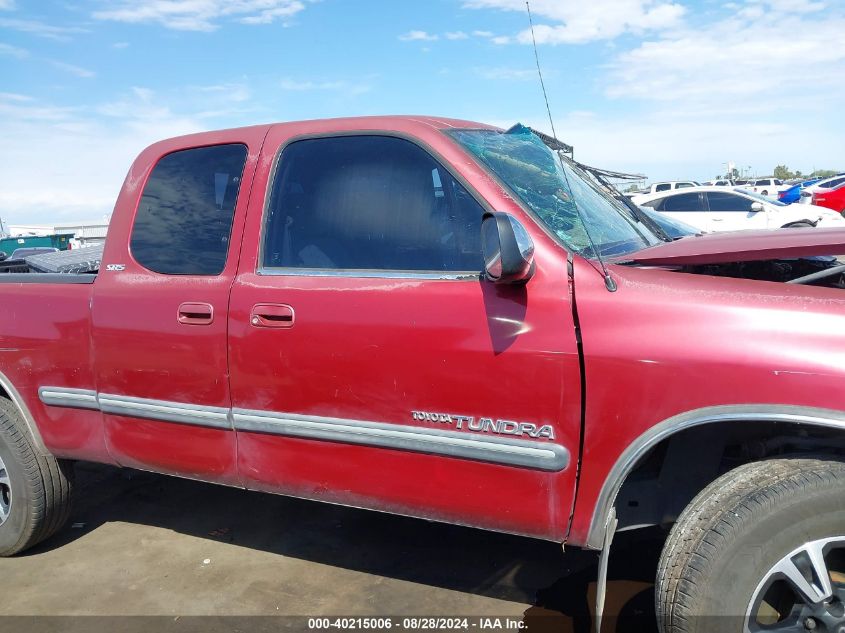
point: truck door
(159, 309)
(372, 366)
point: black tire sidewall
(762, 540)
(18, 523)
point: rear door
(370, 364)
(687, 207)
(730, 211)
(159, 310)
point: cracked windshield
(564, 197)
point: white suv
(670, 185)
(766, 186)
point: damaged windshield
(561, 194)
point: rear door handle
(195, 314)
(273, 315)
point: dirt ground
(140, 544)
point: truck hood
(741, 246)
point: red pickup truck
(447, 320)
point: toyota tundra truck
(446, 320)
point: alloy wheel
(804, 591)
(5, 493)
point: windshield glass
(568, 200)
(762, 198)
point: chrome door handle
(271, 315)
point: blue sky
(669, 88)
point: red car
(831, 198)
(447, 320)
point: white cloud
(84, 73)
(199, 15)
(7, 5)
(13, 51)
(482, 34)
(726, 89)
(41, 29)
(120, 45)
(782, 60)
(418, 36)
(456, 35)
(576, 21)
(92, 147)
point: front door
(730, 211)
(159, 311)
(370, 363)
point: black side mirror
(507, 249)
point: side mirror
(756, 207)
(507, 249)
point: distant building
(84, 233)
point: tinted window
(654, 204)
(682, 202)
(185, 215)
(833, 183)
(722, 202)
(663, 187)
(369, 203)
(684, 185)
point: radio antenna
(608, 280)
(540, 72)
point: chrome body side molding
(635, 451)
(74, 398)
(537, 455)
(215, 417)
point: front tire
(762, 545)
(35, 490)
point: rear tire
(35, 490)
(726, 549)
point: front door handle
(274, 315)
(195, 314)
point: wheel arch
(635, 453)
(8, 391)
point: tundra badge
(486, 425)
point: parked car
(831, 198)
(451, 321)
(766, 186)
(719, 183)
(792, 193)
(827, 183)
(720, 209)
(671, 185)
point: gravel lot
(141, 544)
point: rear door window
(184, 219)
(683, 202)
